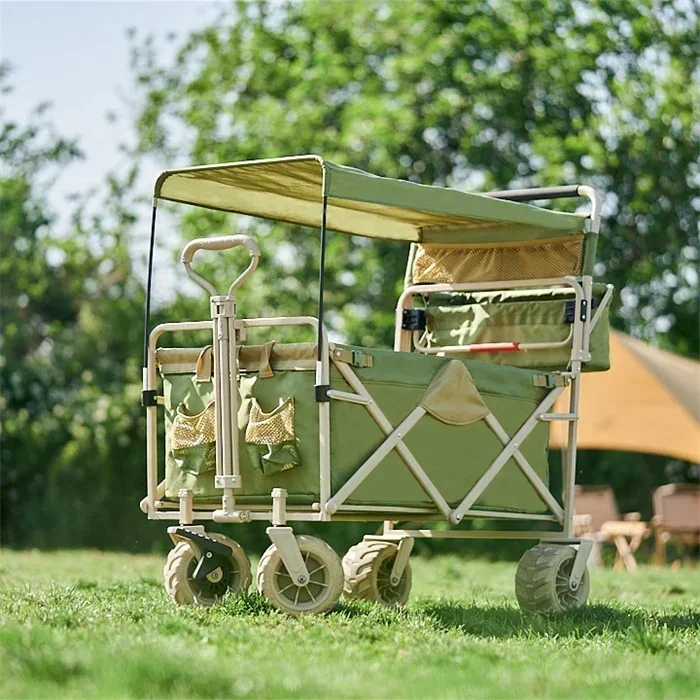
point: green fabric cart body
(454, 457)
(520, 316)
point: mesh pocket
(482, 263)
(191, 431)
(271, 428)
(271, 438)
(193, 440)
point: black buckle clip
(322, 393)
(570, 309)
(413, 320)
(149, 398)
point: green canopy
(291, 189)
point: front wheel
(542, 580)
(367, 567)
(183, 589)
(319, 594)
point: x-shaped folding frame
(395, 441)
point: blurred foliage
(71, 330)
(476, 96)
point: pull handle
(220, 243)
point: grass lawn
(85, 624)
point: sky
(76, 55)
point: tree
(512, 93)
(472, 95)
(71, 333)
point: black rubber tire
(181, 562)
(542, 580)
(367, 566)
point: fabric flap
(452, 396)
(205, 365)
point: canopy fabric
(291, 190)
(649, 401)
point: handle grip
(218, 243)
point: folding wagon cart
(321, 431)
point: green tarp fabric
(291, 190)
(454, 456)
(521, 316)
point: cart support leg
(185, 496)
(279, 506)
(584, 552)
(570, 460)
(174, 532)
(405, 548)
(283, 538)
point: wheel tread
(359, 565)
(535, 579)
(177, 562)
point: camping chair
(598, 518)
(676, 517)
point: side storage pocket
(271, 438)
(193, 440)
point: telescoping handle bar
(220, 243)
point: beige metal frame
(333, 506)
(580, 334)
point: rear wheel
(367, 567)
(317, 595)
(234, 577)
(542, 580)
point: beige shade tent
(649, 401)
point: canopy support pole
(321, 351)
(147, 313)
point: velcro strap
(548, 381)
(356, 358)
